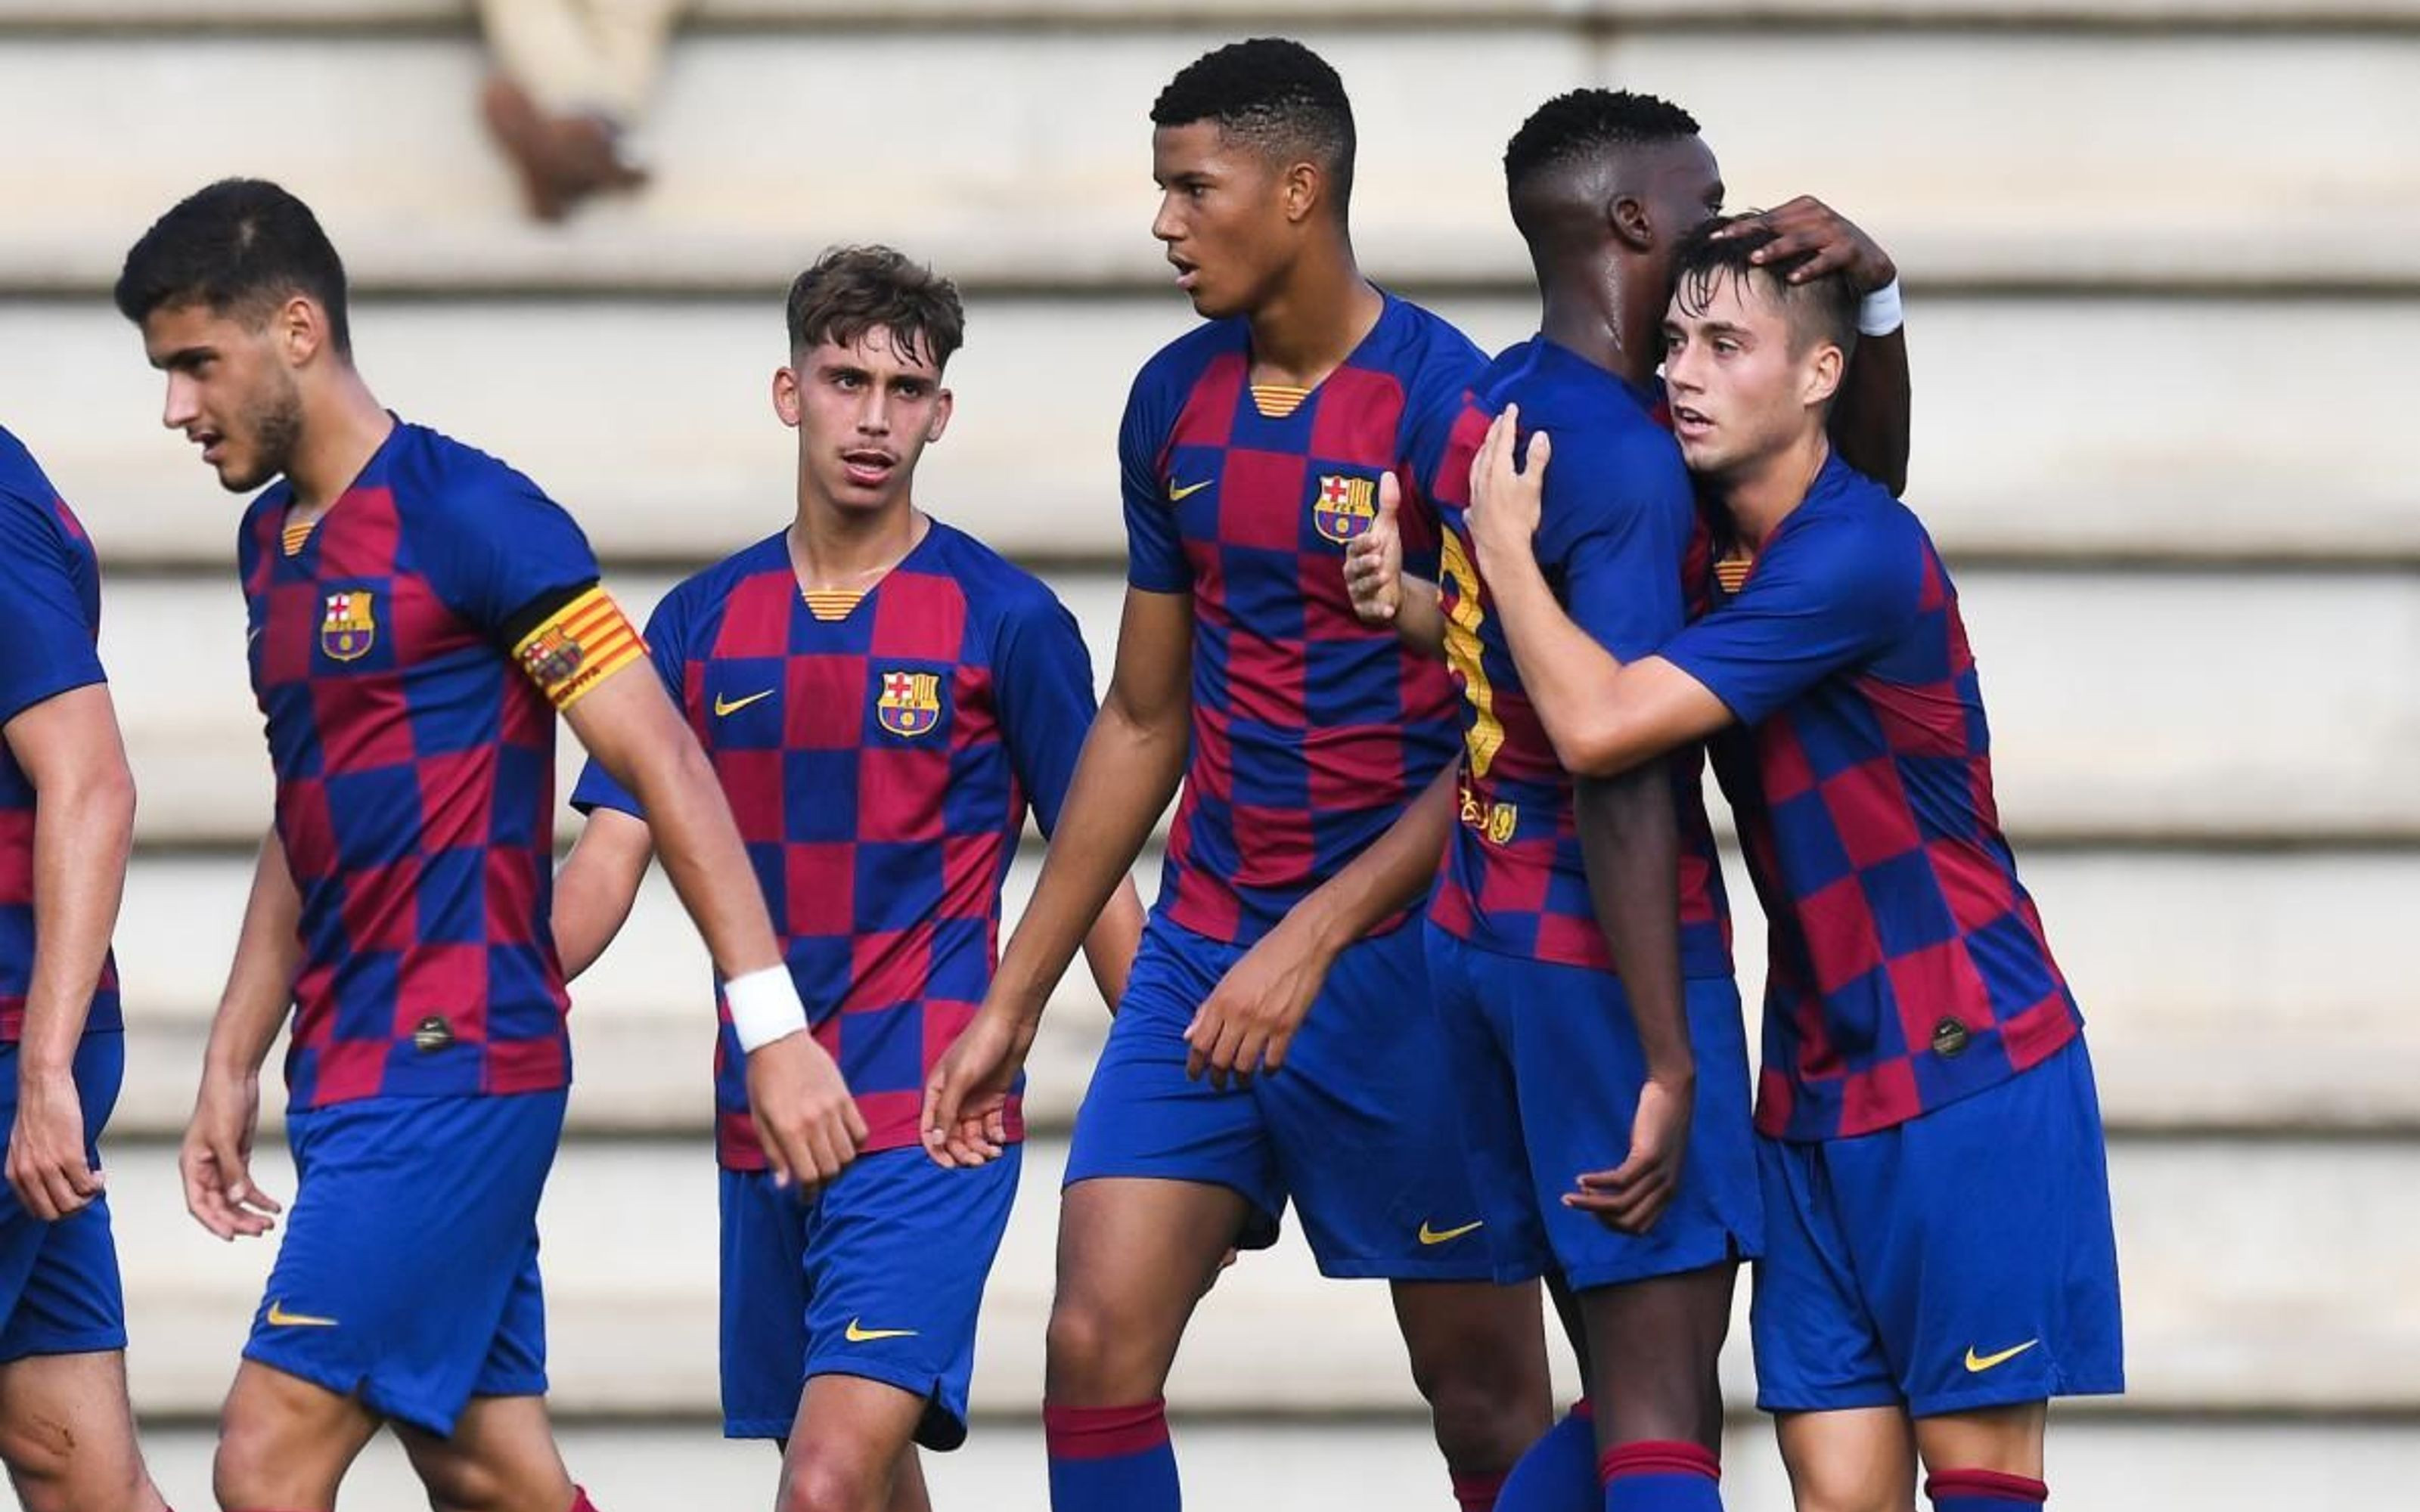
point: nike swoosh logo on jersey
(724, 706)
(1977, 1364)
(856, 1333)
(1176, 494)
(280, 1318)
(1433, 1236)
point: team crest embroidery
(349, 628)
(910, 703)
(1347, 507)
(552, 658)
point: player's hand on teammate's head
(965, 1121)
(1812, 239)
(1631, 1197)
(1374, 560)
(1508, 492)
(46, 1158)
(216, 1160)
(805, 1116)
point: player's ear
(943, 403)
(1626, 214)
(785, 395)
(1302, 190)
(300, 328)
(1821, 377)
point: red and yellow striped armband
(578, 647)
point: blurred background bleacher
(2163, 269)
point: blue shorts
(1358, 1130)
(879, 1276)
(58, 1282)
(1962, 1259)
(1547, 1067)
(409, 1274)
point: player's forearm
(1393, 873)
(1109, 948)
(1573, 684)
(84, 829)
(1420, 619)
(596, 884)
(1871, 421)
(260, 983)
(1127, 773)
(1630, 843)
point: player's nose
(181, 406)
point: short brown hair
(1823, 308)
(852, 290)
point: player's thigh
(1818, 1347)
(1365, 1125)
(1658, 1341)
(284, 1441)
(2005, 1439)
(847, 1444)
(1854, 1459)
(763, 1303)
(500, 1458)
(1478, 1345)
(1142, 1118)
(1135, 1255)
(68, 1435)
(1486, 1113)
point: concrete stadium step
(2226, 992)
(2259, 1275)
(2115, 699)
(2187, 458)
(1042, 185)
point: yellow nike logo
(1430, 1236)
(1176, 494)
(1977, 1364)
(280, 1318)
(723, 706)
(857, 1335)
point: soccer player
(417, 614)
(1254, 448)
(1592, 1077)
(882, 697)
(1940, 1259)
(67, 820)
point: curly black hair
(1584, 121)
(239, 245)
(1275, 93)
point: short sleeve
(668, 654)
(1155, 547)
(1822, 598)
(1042, 678)
(505, 552)
(1613, 532)
(46, 641)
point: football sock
(1478, 1493)
(1984, 1490)
(580, 1502)
(1559, 1473)
(1110, 1458)
(1661, 1475)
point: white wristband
(765, 1007)
(1880, 312)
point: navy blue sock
(1559, 1473)
(1984, 1491)
(1657, 1475)
(1110, 1458)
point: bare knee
(460, 1483)
(1478, 1358)
(1096, 1353)
(814, 1481)
(58, 1466)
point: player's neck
(849, 550)
(1313, 323)
(1606, 320)
(1761, 494)
(342, 429)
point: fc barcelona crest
(348, 627)
(910, 703)
(1345, 508)
(553, 656)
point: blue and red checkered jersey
(50, 620)
(404, 649)
(1311, 731)
(880, 767)
(1615, 541)
(1908, 965)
